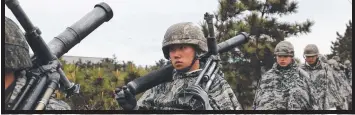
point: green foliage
(260, 19)
(343, 44)
(98, 82)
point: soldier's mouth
(178, 62)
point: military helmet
(336, 58)
(184, 33)
(323, 58)
(284, 48)
(311, 50)
(333, 62)
(347, 62)
(16, 48)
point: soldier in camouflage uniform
(183, 43)
(348, 71)
(340, 68)
(323, 59)
(326, 93)
(342, 84)
(285, 86)
(337, 59)
(17, 60)
(349, 74)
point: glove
(125, 98)
(198, 93)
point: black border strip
(180, 112)
(2, 55)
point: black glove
(197, 92)
(125, 98)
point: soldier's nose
(177, 56)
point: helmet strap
(186, 69)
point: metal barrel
(28, 103)
(44, 54)
(80, 29)
(61, 44)
(164, 74)
(33, 34)
(150, 80)
(233, 42)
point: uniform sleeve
(56, 104)
(145, 102)
(263, 100)
(310, 103)
(268, 98)
(302, 97)
(333, 94)
(347, 88)
(222, 96)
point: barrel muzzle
(107, 8)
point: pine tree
(343, 44)
(97, 83)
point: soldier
(183, 44)
(285, 86)
(326, 93)
(342, 84)
(347, 63)
(348, 71)
(337, 59)
(349, 74)
(323, 58)
(340, 67)
(17, 60)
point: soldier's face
(311, 59)
(181, 55)
(283, 61)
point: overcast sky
(136, 31)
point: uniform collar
(178, 75)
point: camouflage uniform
(342, 84)
(17, 59)
(326, 93)
(341, 66)
(349, 72)
(285, 88)
(323, 58)
(165, 96)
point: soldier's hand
(201, 93)
(196, 89)
(125, 98)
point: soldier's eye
(182, 47)
(171, 49)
